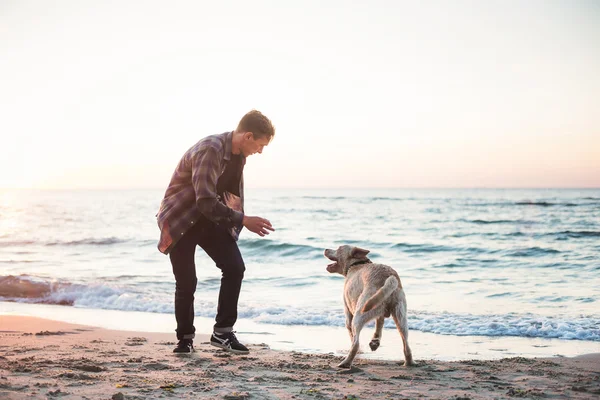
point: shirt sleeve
(206, 168)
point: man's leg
(224, 251)
(184, 269)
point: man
(204, 206)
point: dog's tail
(391, 284)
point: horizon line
(328, 188)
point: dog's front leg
(348, 321)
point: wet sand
(43, 359)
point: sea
(488, 273)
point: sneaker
(228, 342)
(184, 346)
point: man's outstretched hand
(258, 225)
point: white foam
(519, 325)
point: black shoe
(228, 342)
(184, 346)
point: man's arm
(206, 170)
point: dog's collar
(359, 262)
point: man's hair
(255, 122)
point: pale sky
(110, 94)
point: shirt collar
(228, 145)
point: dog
(371, 292)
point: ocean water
(475, 264)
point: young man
(204, 206)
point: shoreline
(41, 358)
(318, 339)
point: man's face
(252, 146)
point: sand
(44, 359)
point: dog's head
(345, 257)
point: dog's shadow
(357, 370)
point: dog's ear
(357, 252)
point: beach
(41, 358)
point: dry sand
(48, 359)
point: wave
(37, 290)
(583, 328)
(532, 203)
(448, 265)
(435, 248)
(422, 248)
(496, 221)
(386, 198)
(89, 241)
(281, 281)
(502, 236)
(361, 199)
(323, 197)
(365, 244)
(32, 289)
(107, 241)
(532, 252)
(17, 261)
(17, 243)
(273, 248)
(574, 234)
(544, 204)
(500, 221)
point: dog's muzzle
(332, 267)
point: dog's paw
(409, 363)
(374, 344)
(345, 365)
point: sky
(362, 93)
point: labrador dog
(371, 292)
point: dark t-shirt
(230, 180)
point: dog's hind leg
(375, 342)
(399, 315)
(357, 324)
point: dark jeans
(224, 251)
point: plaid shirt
(192, 192)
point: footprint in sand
(49, 333)
(136, 341)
